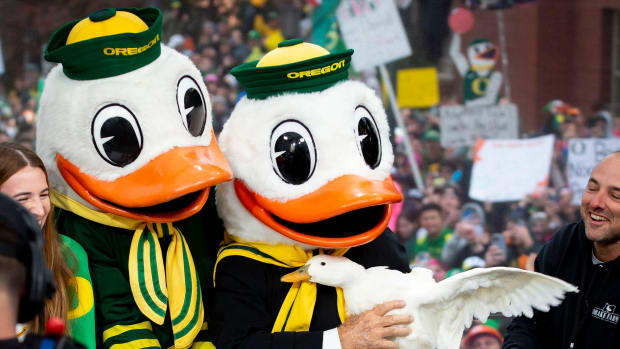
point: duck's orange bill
(300, 274)
(339, 196)
(171, 175)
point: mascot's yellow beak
(151, 194)
(300, 274)
(347, 211)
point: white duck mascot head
(124, 129)
(125, 123)
(311, 158)
(310, 153)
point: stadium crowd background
(220, 34)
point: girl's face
(29, 187)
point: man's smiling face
(600, 204)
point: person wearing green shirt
(431, 237)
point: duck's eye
(191, 104)
(117, 135)
(293, 154)
(368, 139)
(323, 263)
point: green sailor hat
(477, 41)
(294, 66)
(109, 42)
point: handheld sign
(509, 170)
(583, 155)
(417, 88)
(374, 30)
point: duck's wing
(480, 292)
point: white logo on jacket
(607, 313)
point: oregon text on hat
(295, 66)
(128, 51)
(105, 51)
(316, 71)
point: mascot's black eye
(116, 135)
(368, 139)
(293, 154)
(191, 104)
(322, 263)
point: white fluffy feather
(69, 106)
(440, 310)
(329, 116)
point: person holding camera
(586, 254)
(25, 280)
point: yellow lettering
(304, 74)
(292, 75)
(478, 85)
(130, 51)
(335, 66)
(325, 70)
(316, 71)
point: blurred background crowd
(440, 226)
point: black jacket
(586, 320)
(249, 294)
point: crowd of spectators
(440, 226)
(216, 35)
(446, 231)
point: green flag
(325, 26)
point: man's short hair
(430, 207)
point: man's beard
(607, 240)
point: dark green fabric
(108, 254)
(82, 329)
(471, 78)
(263, 82)
(99, 58)
(290, 42)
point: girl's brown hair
(14, 157)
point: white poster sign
(509, 170)
(374, 30)
(461, 125)
(583, 155)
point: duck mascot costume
(124, 129)
(481, 83)
(311, 157)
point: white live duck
(441, 310)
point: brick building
(564, 49)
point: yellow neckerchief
(154, 287)
(478, 68)
(296, 311)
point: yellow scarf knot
(154, 287)
(296, 311)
